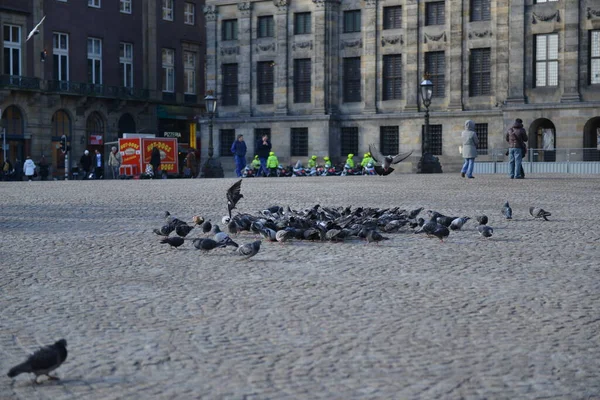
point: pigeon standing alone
(507, 211)
(248, 250)
(43, 361)
(539, 213)
(485, 231)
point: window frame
(437, 75)
(230, 89)
(594, 59)
(225, 145)
(481, 130)
(352, 21)
(123, 5)
(301, 150)
(351, 92)
(189, 72)
(302, 23)
(265, 23)
(435, 13)
(349, 140)
(478, 70)
(394, 76)
(124, 61)
(96, 60)
(13, 47)
(189, 16)
(168, 70)
(392, 17)
(436, 138)
(168, 12)
(547, 61)
(60, 55)
(480, 10)
(95, 3)
(265, 82)
(229, 30)
(302, 80)
(387, 134)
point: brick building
(98, 69)
(328, 77)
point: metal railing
(561, 160)
(91, 89)
(19, 82)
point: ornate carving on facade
(351, 43)
(545, 18)
(391, 40)
(265, 47)
(282, 5)
(323, 3)
(211, 12)
(483, 34)
(592, 13)
(302, 45)
(434, 38)
(245, 8)
(228, 51)
(370, 3)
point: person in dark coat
(516, 138)
(238, 148)
(155, 161)
(85, 162)
(262, 149)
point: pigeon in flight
(386, 161)
(507, 211)
(174, 241)
(485, 231)
(248, 250)
(539, 213)
(43, 361)
(233, 196)
(36, 29)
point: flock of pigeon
(278, 225)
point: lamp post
(428, 164)
(212, 167)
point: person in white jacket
(29, 168)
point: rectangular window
(229, 29)
(230, 84)
(168, 70)
(226, 139)
(351, 79)
(544, 1)
(435, 66)
(352, 21)
(301, 23)
(594, 57)
(482, 136)
(302, 80)
(167, 10)
(60, 54)
(349, 140)
(125, 6)
(189, 14)
(546, 60)
(12, 50)
(189, 72)
(94, 3)
(266, 26)
(94, 61)
(264, 82)
(392, 77)
(479, 72)
(299, 142)
(260, 132)
(435, 13)
(480, 10)
(435, 138)
(126, 64)
(389, 140)
(392, 17)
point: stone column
(369, 56)
(245, 58)
(282, 69)
(319, 62)
(455, 60)
(516, 52)
(211, 13)
(413, 53)
(570, 61)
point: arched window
(591, 140)
(13, 121)
(542, 135)
(126, 124)
(61, 124)
(94, 129)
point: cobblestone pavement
(513, 317)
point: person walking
(98, 165)
(516, 138)
(238, 148)
(190, 163)
(262, 149)
(114, 162)
(155, 161)
(29, 168)
(85, 162)
(469, 149)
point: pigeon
(174, 241)
(539, 213)
(458, 223)
(206, 245)
(206, 227)
(164, 231)
(284, 235)
(441, 232)
(446, 221)
(413, 214)
(429, 227)
(482, 219)
(233, 196)
(225, 220)
(387, 161)
(248, 250)
(36, 29)
(507, 211)
(485, 231)
(223, 238)
(43, 361)
(215, 229)
(269, 234)
(374, 236)
(197, 220)
(183, 230)
(232, 227)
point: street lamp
(212, 167)
(428, 164)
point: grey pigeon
(269, 234)
(507, 211)
(429, 227)
(413, 214)
(539, 213)
(444, 220)
(386, 161)
(458, 223)
(482, 219)
(223, 238)
(248, 250)
(183, 230)
(174, 241)
(441, 232)
(165, 230)
(233, 196)
(374, 236)
(284, 235)
(485, 231)
(43, 361)
(206, 245)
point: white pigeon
(35, 29)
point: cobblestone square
(512, 317)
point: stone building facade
(98, 69)
(328, 77)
